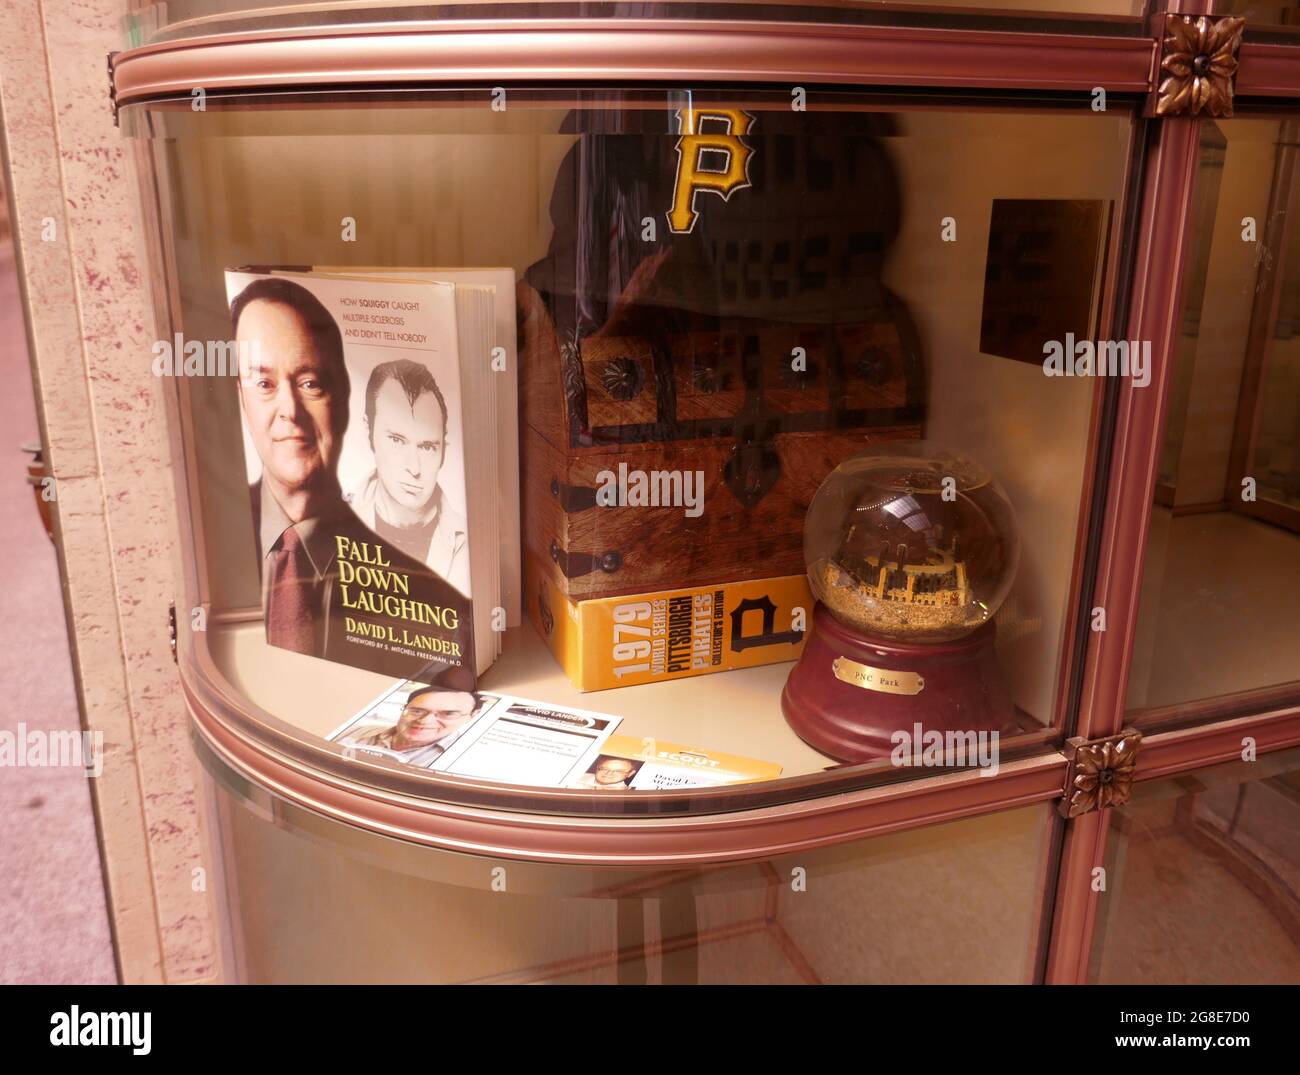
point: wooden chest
(681, 405)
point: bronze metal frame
(1267, 70)
(1155, 313)
(1075, 910)
(638, 50)
(1274, 719)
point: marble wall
(77, 225)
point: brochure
(490, 736)
(520, 741)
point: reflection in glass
(1269, 426)
(1203, 879)
(309, 900)
(1281, 14)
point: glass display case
(552, 383)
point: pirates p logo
(698, 154)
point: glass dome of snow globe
(911, 544)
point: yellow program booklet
(626, 763)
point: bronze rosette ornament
(1101, 772)
(1199, 62)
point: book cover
(500, 282)
(606, 642)
(350, 395)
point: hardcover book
(604, 642)
(374, 548)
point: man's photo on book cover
(400, 499)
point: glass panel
(912, 259)
(309, 900)
(1203, 879)
(1258, 13)
(1220, 608)
(176, 19)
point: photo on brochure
(476, 734)
(413, 723)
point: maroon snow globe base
(910, 552)
(849, 693)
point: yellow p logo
(692, 177)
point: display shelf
(256, 753)
(262, 728)
(735, 712)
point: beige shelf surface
(736, 712)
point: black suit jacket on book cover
(370, 604)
